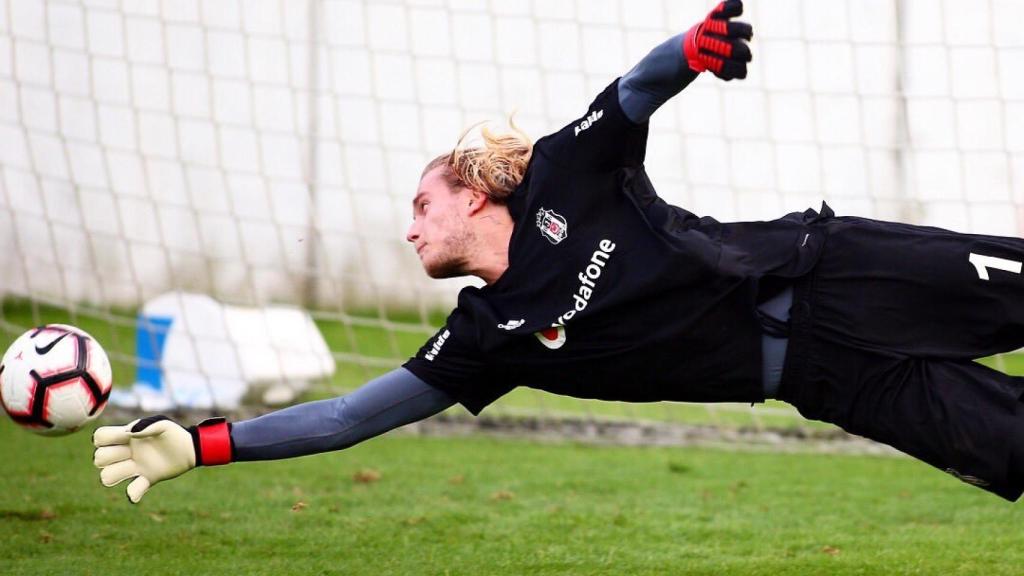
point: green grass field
(412, 505)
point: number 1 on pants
(983, 263)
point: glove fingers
(118, 472)
(726, 69)
(728, 30)
(137, 489)
(111, 435)
(725, 47)
(728, 9)
(741, 52)
(732, 70)
(739, 30)
(107, 455)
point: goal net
(266, 152)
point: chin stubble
(454, 262)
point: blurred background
(265, 153)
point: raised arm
(716, 44)
(156, 448)
(612, 133)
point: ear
(476, 201)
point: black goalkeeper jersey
(610, 292)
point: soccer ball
(54, 379)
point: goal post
(266, 152)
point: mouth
(419, 249)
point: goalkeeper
(596, 288)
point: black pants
(885, 330)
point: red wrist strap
(214, 442)
(690, 49)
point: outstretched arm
(716, 44)
(392, 400)
(154, 449)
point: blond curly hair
(495, 167)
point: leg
(919, 291)
(957, 415)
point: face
(440, 230)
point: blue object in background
(150, 336)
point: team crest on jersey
(552, 225)
(552, 338)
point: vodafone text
(588, 280)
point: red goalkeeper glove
(719, 45)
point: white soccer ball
(54, 379)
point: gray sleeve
(392, 400)
(660, 75)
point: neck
(493, 233)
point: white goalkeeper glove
(155, 449)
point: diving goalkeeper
(596, 288)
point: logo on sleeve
(589, 121)
(436, 348)
(552, 225)
(512, 324)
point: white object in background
(195, 352)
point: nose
(413, 233)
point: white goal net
(266, 152)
